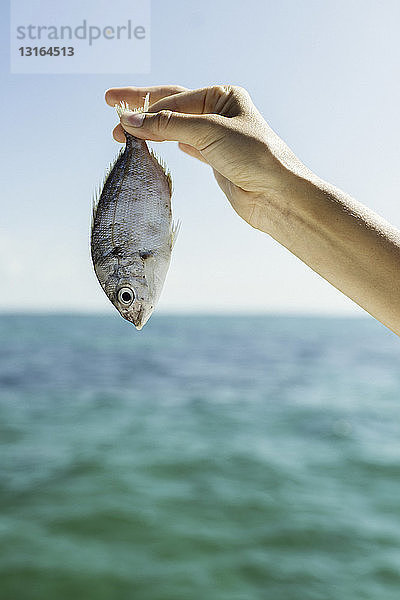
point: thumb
(197, 130)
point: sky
(326, 77)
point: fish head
(137, 295)
(132, 298)
(134, 287)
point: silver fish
(132, 230)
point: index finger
(134, 96)
(225, 100)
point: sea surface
(203, 458)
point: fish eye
(126, 296)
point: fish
(132, 230)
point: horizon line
(271, 313)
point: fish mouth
(138, 318)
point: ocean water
(221, 458)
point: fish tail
(123, 107)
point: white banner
(80, 37)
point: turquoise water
(202, 458)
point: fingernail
(133, 119)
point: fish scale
(140, 212)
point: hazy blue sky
(324, 74)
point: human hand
(268, 186)
(220, 126)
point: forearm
(350, 246)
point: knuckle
(229, 89)
(162, 120)
(216, 97)
(220, 90)
(240, 91)
(228, 99)
(178, 89)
